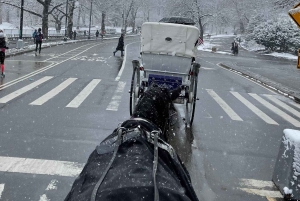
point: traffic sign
(295, 14)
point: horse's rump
(131, 175)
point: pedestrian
(71, 35)
(3, 47)
(33, 35)
(102, 34)
(236, 48)
(120, 45)
(84, 33)
(232, 47)
(38, 41)
(97, 34)
(74, 34)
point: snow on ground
(248, 45)
(222, 36)
(283, 55)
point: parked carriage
(167, 59)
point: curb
(279, 88)
(32, 50)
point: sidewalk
(275, 73)
(30, 48)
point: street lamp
(20, 43)
(90, 20)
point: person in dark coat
(74, 33)
(38, 41)
(97, 34)
(120, 45)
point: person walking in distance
(38, 41)
(33, 35)
(75, 33)
(97, 34)
(120, 45)
(3, 47)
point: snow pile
(222, 36)
(291, 139)
(283, 55)
(252, 46)
(294, 11)
(6, 25)
(287, 191)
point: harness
(129, 129)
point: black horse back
(130, 176)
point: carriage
(167, 59)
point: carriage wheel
(134, 91)
(191, 102)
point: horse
(134, 162)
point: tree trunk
(103, 21)
(70, 21)
(200, 27)
(242, 28)
(1, 13)
(79, 15)
(7, 16)
(45, 18)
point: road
(56, 107)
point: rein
(124, 133)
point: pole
(21, 19)
(90, 20)
(66, 25)
(20, 42)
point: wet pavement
(279, 73)
(219, 151)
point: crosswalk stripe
(53, 92)
(263, 193)
(224, 106)
(276, 110)
(295, 104)
(76, 102)
(40, 166)
(1, 189)
(254, 109)
(116, 99)
(23, 90)
(283, 105)
(256, 183)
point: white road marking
(53, 92)
(23, 90)
(283, 105)
(254, 109)
(295, 104)
(124, 62)
(224, 106)
(256, 183)
(40, 70)
(76, 102)
(243, 77)
(1, 189)
(51, 186)
(276, 110)
(270, 199)
(263, 193)
(206, 68)
(116, 99)
(40, 166)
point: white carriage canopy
(169, 39)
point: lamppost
(20, 43)
(90, 20)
